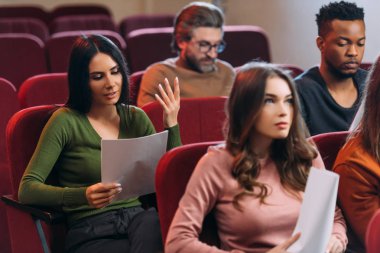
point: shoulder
(309, 76)
(225, 67)
(65, 114)
(217, 160)
(353, 155)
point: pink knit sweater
(258, 228)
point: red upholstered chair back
(22, 56)
(44, 89)
(366, 65)
(245, 43)
(329, 145)
(24, 25)
(22, 134)
(141, 52)
(140, 21)
(8, 106)
(200, 119)
(373, 234)
(24, 11)
(173, 172)
(82, 22)
(59, 46)
(134, 86)
(79, 9)
(294, 70)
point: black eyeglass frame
(205, 46)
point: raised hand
(169, 101)
(101, 194)
(285, 245)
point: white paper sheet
(317, 212)
(132, 163)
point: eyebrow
(274, 96)
(347, 39)
(99, 72)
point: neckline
(95, 133)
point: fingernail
(166, 80)
(118, 185)
(176, 78)
(159, 85)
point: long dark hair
(369, 126)
(84, 49)
(293, 155)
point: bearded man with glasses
(198, 39)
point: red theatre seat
(329, 145)
(173, 172)
(82, 23)
(135, 22)
(200, 119)
(79, 9)
(59, 46)
(22, 56)
(24, 11)
(26, 231)
(134, 86)
(24, 25)
(44, 89)
(8, 106)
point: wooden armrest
(49, 216)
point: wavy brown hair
(369, 126)
(293, 155)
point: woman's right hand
(285, 245)
(101, 194)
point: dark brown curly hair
(293, 155)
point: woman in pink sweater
(254, 184)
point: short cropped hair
(194, 15)
(337, 10)
(83, 51)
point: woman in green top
(70, 143)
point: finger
(290, 241)
(104, 187)
(161, 102)
(169, 91)
(176, 89)
(164, 96)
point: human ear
(320, 43)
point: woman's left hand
(169, 101)
(335, 245)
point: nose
(212, 53)
(352, 51)
(283, 109)
(109, 82)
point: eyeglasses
(205, 46)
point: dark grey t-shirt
(320, 111)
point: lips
(282, 125)
(111, 95)
(351, 65)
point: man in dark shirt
(330, 94)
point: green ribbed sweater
(70, 145)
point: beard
(200, 65)
(337, 72)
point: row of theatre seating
(83, 22)
(198, 132)
(26, 55)
(65, 16)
